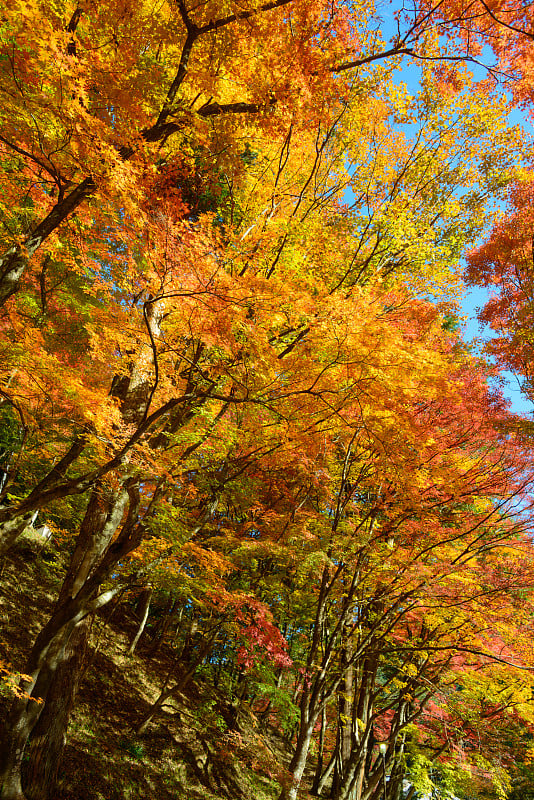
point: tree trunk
(104, 514)
(11, 531)
(94, 559)
(163, 626)
(144, 609)
(13, 519)
(12, 750)
(25, 712)
(325, 777)
(181, 684)
(48, 738)
(298, 762)
(355, 764)
(15, 261)
(345, 735)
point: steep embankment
(195, 749)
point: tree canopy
(233, 376)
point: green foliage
(10, 434)
(222, 377)
(277, 698)
(133, 748)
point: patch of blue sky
(478, 334)
(474, 298)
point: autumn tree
(195, 311)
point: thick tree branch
(220, 23)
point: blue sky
(473, 299)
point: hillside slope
(195, 749)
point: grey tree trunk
(145, 608)
(76, 601)
(47, 742)
(95, 558)
(298, 762)
(13, 519)
(15, 260)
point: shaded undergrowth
(193, 750)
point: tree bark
(48, 738)
(11, 531)
(144, 609)
(345, 718)
(354, 765)
(298, 762)
(95, 557)
(163, 625)
(135, 393)
(104, 514)
(14, 262)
